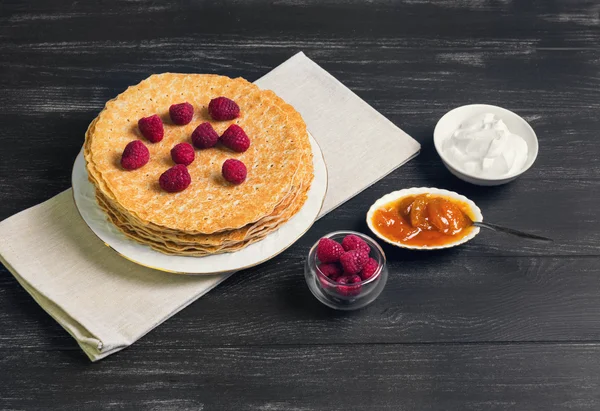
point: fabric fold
(107, 302)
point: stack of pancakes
(211, 216)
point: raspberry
(181, 113)
(152, 128)
(175, 179)
(205, 136)
(354, 242)
(331, 270)
(324, 282)
(183, 153)
(222, 108)
(369, 269)
(353, 261)
(345, 286)
(329, 251)
(355, 279)
(235, 138)
(234, 171)
(135, 155)
(343, 280)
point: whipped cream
(483, 146)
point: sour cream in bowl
(485, 145)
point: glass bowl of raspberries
(346, 270)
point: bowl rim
(494, 109)
(394, 195)
(312, 257)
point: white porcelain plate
(252, 255)
(388, 198)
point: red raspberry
(369, 269)
(205, 136)
(343, 280)
(234, 171)
(346, 287)
(222, 108)
(329, 251)
(135, 155)
(354, 242)
(181, 113)
(324, 282)
(175, 179)
(152, 128)
(331, 270)
(235, 138)
(183, 153)
(353, 261)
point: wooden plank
(442, 298)
(342, 377)
(406, 84)
(496, 324)
(566, 24)
(564, 210)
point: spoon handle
(507, 230)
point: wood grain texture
(496, 324)
(342, 377)
(523, 300)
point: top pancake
(210, 204)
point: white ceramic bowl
(388, 198)
(515, 123)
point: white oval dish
(254, 254)
(516, 124)
(388, 198)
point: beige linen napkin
(352, 135)
(107, 302)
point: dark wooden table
(496, 324)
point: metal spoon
(507, 230)
(452, 211)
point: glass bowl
(350, 296)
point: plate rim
(319, 151)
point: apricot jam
(424, 220)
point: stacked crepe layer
(211, 216)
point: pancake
(209, 204)
(170, 247)
(211, 216)
(222, 238)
